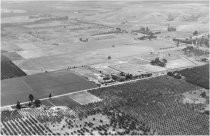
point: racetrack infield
(41, 85)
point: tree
(170, 74)
(29, 104)
(150, 36)
(118, 29)
(31, 97)
(128, 76)
(195, 32)
(203, 94)
(152, 62)
(18, 106)
(164, 61)
(157, 62)
(50, 95)
(37, 103)
(122, 73)
(147, 30)
(142, 29)
(177, 43)
(157, 59)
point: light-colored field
(194, 97)
(27, 54)
(129, 68)
(151, 68)
(55, 44)
(84, 98)
(27, 46)
(12, 11)
(43, 25)
(56, 62)
(10, 46)
(179, 63)
(137, 65)
(12, 56)
(19, 19)
(104, 67)
(88, 73)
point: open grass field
(41, 85)
(9, 69)
(158, 102)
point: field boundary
(66, 94)
(115, 84)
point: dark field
(197, 75)
(41, 85)
(9, 69)
(157, 103)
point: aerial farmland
(104, 68)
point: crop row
(157, 103)
(197, 75)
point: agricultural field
(34, 35)
(88, 73)
(84, 98)
(61, 101)
(105, 68)
(129, 68)
(133, 108)
(9, 69)
(197, 75)
(179, 63)
(61, 120)
(91, 66)
(159, 102)
(41, 85)
(137, 65)
(11, 56)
